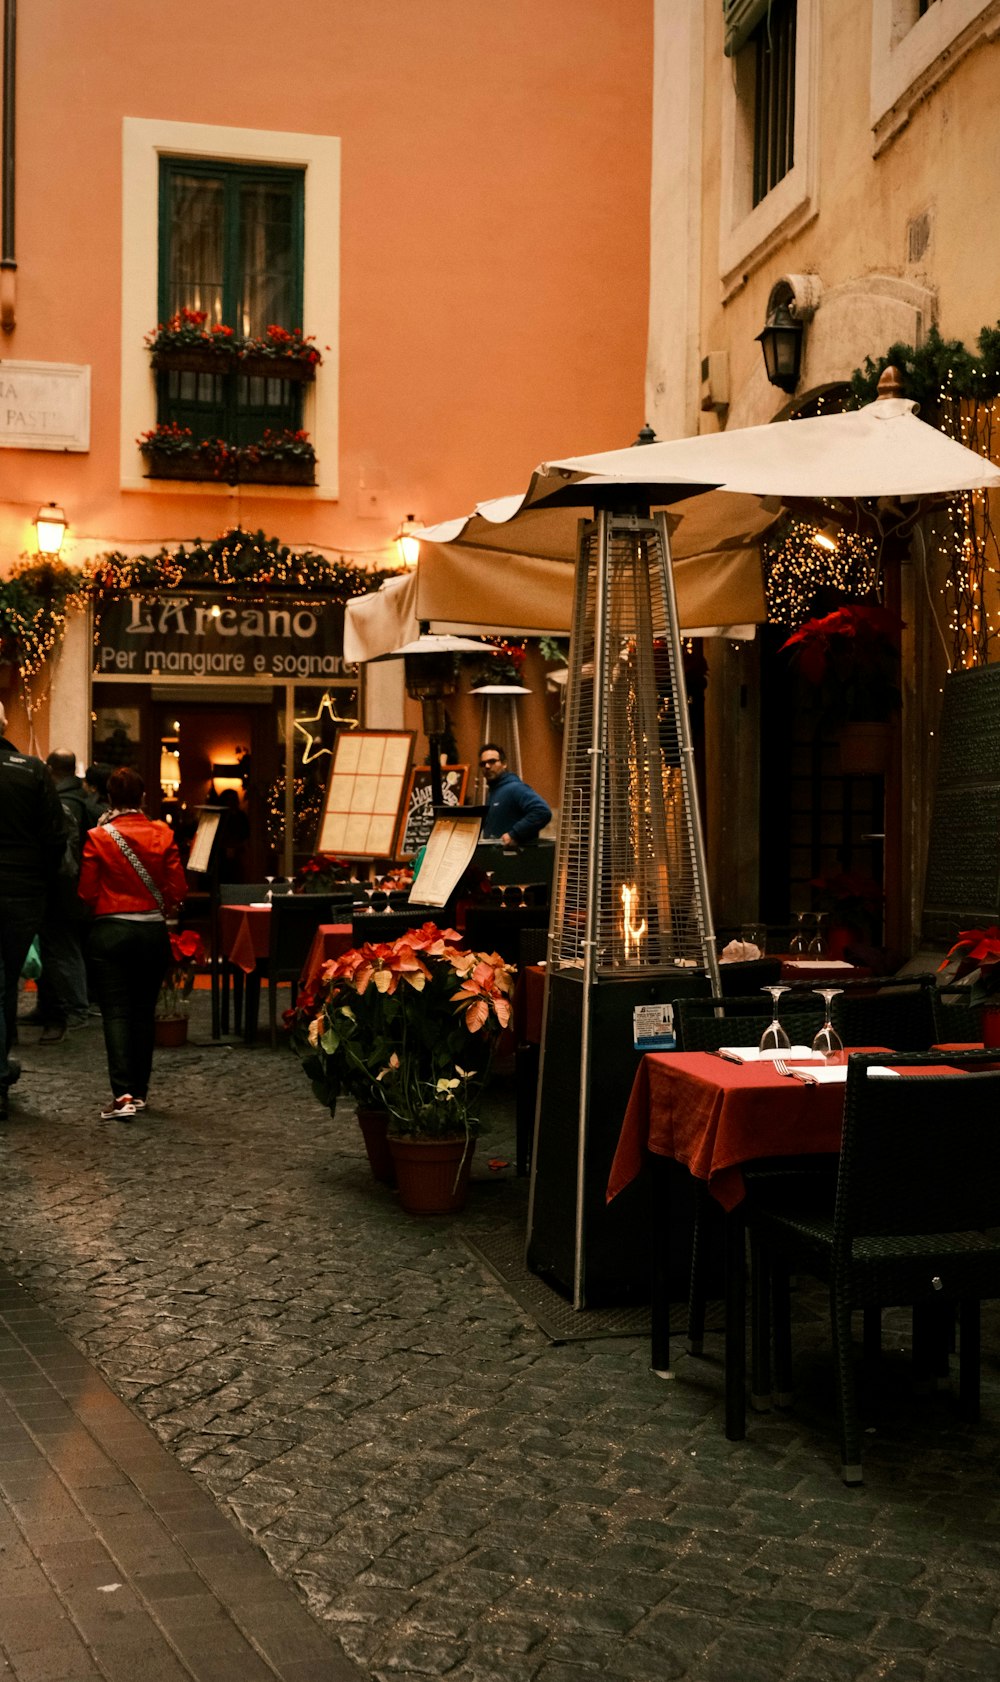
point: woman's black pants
(128, 963)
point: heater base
(614, 1264)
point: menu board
(450, 851)
(365, 792)
(418, 807)
(200, 856)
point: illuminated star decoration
(314, 732)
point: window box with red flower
(278, 458)
(187, 345)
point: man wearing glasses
(514, 812)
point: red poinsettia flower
(979, 947)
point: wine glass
(827, 1041)
(774, 1039)
(818, 947)
(269, 895)
(799, 945)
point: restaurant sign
(175, 635)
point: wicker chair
(914, 1221)
(955, 1020)
(744, 1019)
(898, 1014)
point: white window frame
(748, 232)
(144, 142)
(912, 54)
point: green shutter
(741, 18)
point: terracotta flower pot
(432, 1174)
(170, 1031)
(374, 1125)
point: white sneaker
(138, 1103)
(119, 1109)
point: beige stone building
(842, 159)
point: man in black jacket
(32, 843)
(62, 985)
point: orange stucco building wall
(492, 263)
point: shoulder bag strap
(137, 865)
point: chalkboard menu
(963, 860)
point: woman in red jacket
(131, 877)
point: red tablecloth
(329, 941)
(245, 934)
(712, 1116)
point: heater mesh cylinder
(627, 847)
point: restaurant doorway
(262, 750)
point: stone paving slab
(448, 1492)
(102, 1572)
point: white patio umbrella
(506, 566)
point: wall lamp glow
(50, 529)
(407, 542)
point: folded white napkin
(739, 952)
(753, 1054)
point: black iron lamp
(431, 668)
(781, 343)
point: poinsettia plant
(408, 1026)
(978, 954)
(321, 873)
(851, 657)
(187, 951)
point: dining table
(714, 1117)
(245, 942)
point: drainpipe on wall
(8, 262)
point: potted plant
(187, 951)
(281, 353)
(851, 659)
(412, 1024)
(278, 458)
(977, 952)
(185, 343)
(173, 452)
(854, 904)
(322, 873)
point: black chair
(232, 893)
(499, 928)
(377, 926)
(914, 1222)
(742, 977)
(955, 1020)
(743, 1019)
(742, 1022)
(898, 1014)
(294, 921)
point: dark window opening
(773, 46)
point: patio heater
(499, 721)
(631, 923)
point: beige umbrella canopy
(505, 566)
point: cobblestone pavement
(454, 1495)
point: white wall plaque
(44, 406)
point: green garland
(38, 595)
(935, 371)
(236, 558)
(34, 602)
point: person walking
(514, 812)
(131, 877)
(32, 845)
(62, 986)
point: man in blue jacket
(514, 812)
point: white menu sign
(44, 406)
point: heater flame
(631, 931)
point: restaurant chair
(914, 1221)
(294, 921)
(955, 1020)
(698, 1028)
(898, 1014)
(233, 893)
(743, 977)
(744, 1018)
(379, 926)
